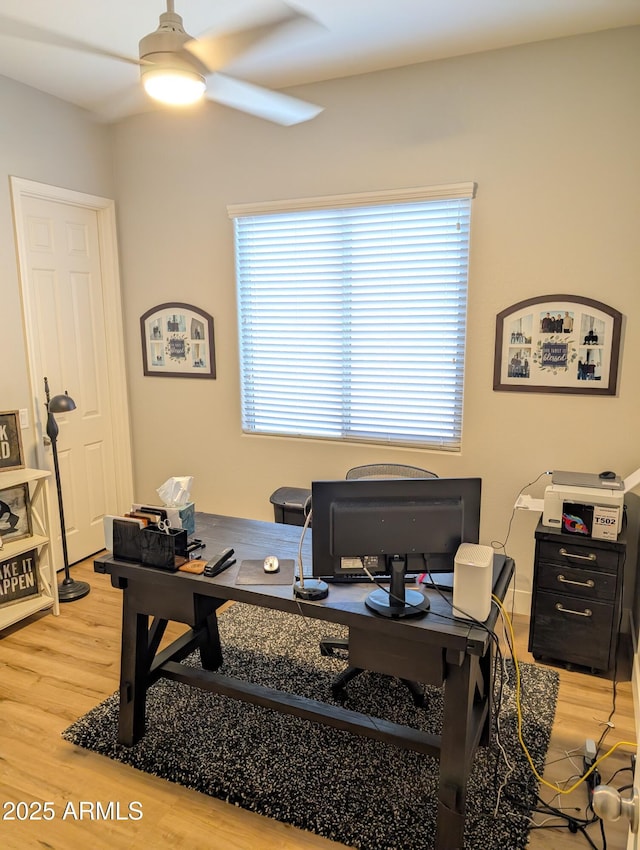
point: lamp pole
(68, 590)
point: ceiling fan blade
(32, 32)
(264, 103)
(217, 49)
(130, 101)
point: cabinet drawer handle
(589, 583)
(586, 613)
(590, 557)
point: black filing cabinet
(577, 598)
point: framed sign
(19, 577)
(177, 342)
(11, 456)
(558, 344)
(15, 512)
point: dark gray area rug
(350, 789)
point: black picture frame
(11, 453)
(178, 342)
(558, 344)
(15, 513)
(22, 577)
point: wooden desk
(432, 649)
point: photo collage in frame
(177, 341)
(558, 344)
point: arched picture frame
(558, 344)
(178, 342)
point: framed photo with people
(178, 342)
(558, 344)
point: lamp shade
(61, 404)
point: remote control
(215, 564)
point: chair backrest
(389, 470)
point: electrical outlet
(24, 418)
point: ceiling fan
(177, 69)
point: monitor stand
(399, 601)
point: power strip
(590, 753)
(588, 760)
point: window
(352, 315)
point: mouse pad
(252, 572)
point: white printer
(585, 504)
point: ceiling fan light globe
(174, 87)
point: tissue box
(184, 517)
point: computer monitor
(391, 527)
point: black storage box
(126, 540)
(289, 504)
(166, 550)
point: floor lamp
(68, 590)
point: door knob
(609, 805)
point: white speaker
(472, 581)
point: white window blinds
(352, 316)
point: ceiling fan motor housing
(165, 47)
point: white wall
(548, 131)
(49, 141)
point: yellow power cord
(553, 787)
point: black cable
(573, 824)
(498, 660)
(390, 594)
(619, 770)
(496, 543)
(615, 676)
(573, 828)
(449, 602)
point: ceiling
(350, 37)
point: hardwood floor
(54, 669)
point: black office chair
(329, 645)
(388, 470)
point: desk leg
(458, 736)
(134, 667)
(210, 648)
(486, 672)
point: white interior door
(68, 299)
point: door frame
(112, 304)
(633, 842)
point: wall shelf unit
(47, 596)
